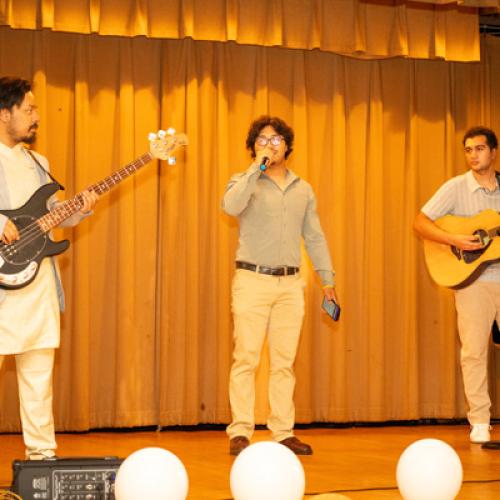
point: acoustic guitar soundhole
(472, 255)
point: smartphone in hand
(331, 308)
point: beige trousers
(478, 305)
(261, 305)
(34, 379)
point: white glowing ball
(152, 473)
(429, 469)
(267, 471)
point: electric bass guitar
(448, 265)
(20, 260)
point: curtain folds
(358, 28)
(147, 335)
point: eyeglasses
(263, 140)
(477, 149)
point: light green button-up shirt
(273, 220)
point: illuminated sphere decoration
(267, 471)
(152, 474)
(429, 469)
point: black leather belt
(273, 271)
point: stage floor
(357, 462)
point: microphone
(263, 163)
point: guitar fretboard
(69, 207)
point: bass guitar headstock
(163, 144)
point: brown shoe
(238, 444)
(297, 446)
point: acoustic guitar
(20, 260)
(454, 268)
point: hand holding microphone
(264, 161)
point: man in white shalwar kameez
(29, 316)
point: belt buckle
(285, 270)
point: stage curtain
(359, 28)
(147, 334)
(486, 4)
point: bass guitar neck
(20, 260)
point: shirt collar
(473, 185)
(290, 178)
(11, 153)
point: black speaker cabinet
(85, 478)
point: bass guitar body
(20, 261)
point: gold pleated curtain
(363, 28)
(147, 333)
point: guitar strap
(61, 187)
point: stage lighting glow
(429, 469)
(152, 473)
(267, 471)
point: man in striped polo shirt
(478, 303)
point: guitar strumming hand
(467, 242)
(25, 241)
(10, 232)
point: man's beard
(30, 137)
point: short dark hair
(278, 124)
(12, 91)
(491, 138)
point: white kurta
(29, 316)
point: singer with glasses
(276, 209)
(262, 141)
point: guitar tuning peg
(171, 160)
(171, 131)
(151, 136)
(162, 134)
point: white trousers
(34, 378)
(261, 305)
(478, 305)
